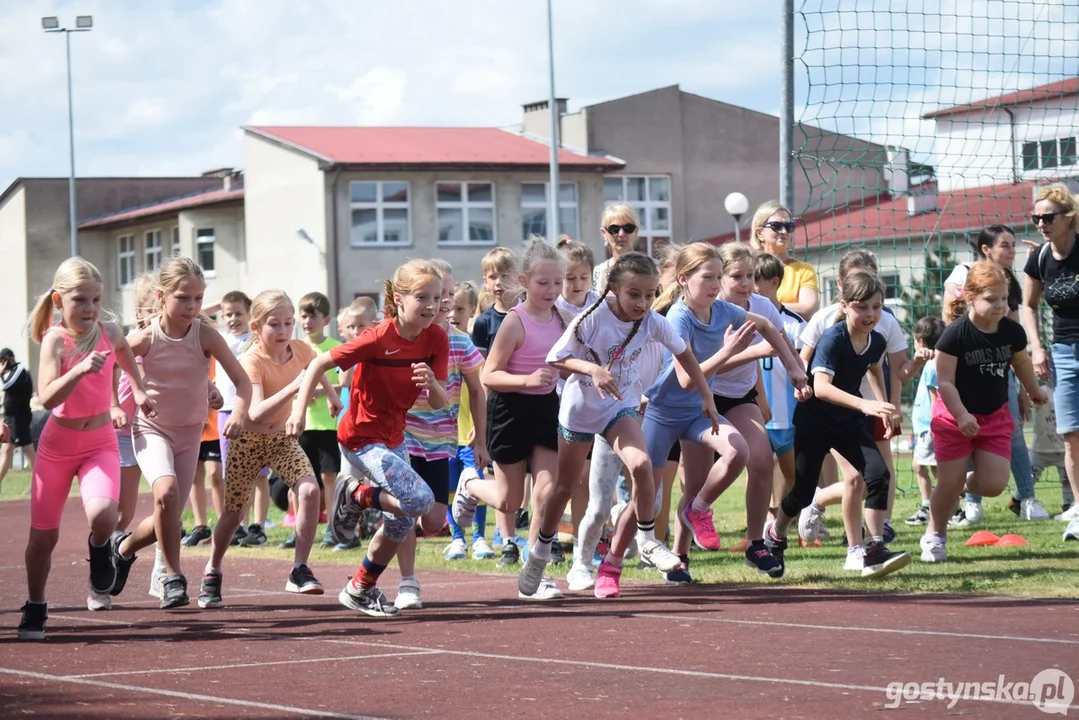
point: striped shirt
(777, 383)
(432, 434)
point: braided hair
(632, 264)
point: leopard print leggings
(250, 453)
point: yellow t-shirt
(464, 418)
(796, 275)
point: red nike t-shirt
(382, 390)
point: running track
(475, 651)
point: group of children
(692, 362)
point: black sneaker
(511, 554)
(879, 560)
(920, 517)
(255, 536)
(174, 592)
(759, 557)
(289, 543)
(123, 564)
(958, 518)
(680, 576)
(889, 532)
(558, 553)
(102, 567)
(776, 546)
(370, 601)
(32, 625)
(210, 593)
(346, 512)
(238, 536)
(302, 580)
(521, 520)
(199, 536)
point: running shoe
(174, 592)
(810, 522)
(210, 592)
(608, 579)
(1031, 509)
(464, 505)
(528, 581)
(289, 544)
(238, 536)
(327, 540)
(658, 555)
(301, 580)
(123, 565)
(256, 536)
(879, 561)
(102, 567)
(933, 549)
(702, 526)
(777, 546)
(511, 553)
(456, 550)
(370, 601)
(679, 577)
(558, 553)
(199, 535)
(547, 590)
(920, 516)
(855, 561)
(580, 577)
(346, 511)
(98, 601)
(32, 624)
(408, 594)
(759, 558)
(481, 549)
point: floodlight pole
(553, 192)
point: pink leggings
(63, 454)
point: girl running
(717, 331)
(833, 419)
(971, 420)
(176, 350)
(522, 400)
(602, 397)
(395, 361)
(274, 363)
(75, 376)
(618, 226)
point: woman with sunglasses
(1053, 273)
(773, 233)
(618, 226)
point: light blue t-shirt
(922, 412)
(667, 400)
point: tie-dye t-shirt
(432, 434)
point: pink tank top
(93, 393)
(532, 355)
(175, 372)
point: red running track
(475, 651)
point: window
(152, 250)
(204, 249)
(534, 210)
(176, 250)
(379, 213)
(1048, 154)
(891, 285)
(828, 290)
(650, 198)
(466, 213)
(125, 260)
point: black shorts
(676, 452)
(210, 451)
(20, 429)
(322, 450)
(726, 404)
(436, 473)
(516, 423)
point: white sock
(699, 505)
(210, 569)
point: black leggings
(856, 445)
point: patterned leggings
(391, 470)
(250, 453)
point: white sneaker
(1031, 509)
(855, 559)
(531, 577)
(408, 595)
(547, 590)
(659, 555)
(580, 577)
(933, 550)
(481, 549)
(973, 513)
(1072, 531)
(456, 550)
(157, 580)
(810, 522)
(1070, 514)
(464, 505)
(98, 601)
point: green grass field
(1045, 568)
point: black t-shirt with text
(1060, 288)
(836, 356)
(982, 361)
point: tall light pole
(552, 194)
(736, 205)
(83, 23)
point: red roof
(961, 211)
(1060, 89)
(175, 205)
(426, 146)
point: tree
(924, 295)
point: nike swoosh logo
(391, 352)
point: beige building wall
(17, 299)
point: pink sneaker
(290, 519)
(607, 578)
(704, 530)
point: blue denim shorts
(1066, 386)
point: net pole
(786, 106)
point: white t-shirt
(582, 410)
(888, 327)
(736, 383)
(958, 276)
(221, 378)
(599, 275)
(569, 313)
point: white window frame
(152, 255)
(175, 243)
(644, 207)
(1059, 166)
(464, 206)
(379, 206)
(575, 231)
(210, 240)
(125, 257)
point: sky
(163, 87)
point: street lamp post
(736, 205)
(553, 228)
(83, 23)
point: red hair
(982, 276)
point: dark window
(1030, 156)
(1067, 151)
(1049, 153)
(891, 286)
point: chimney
(537, 117)
(924, 200)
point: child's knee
(419, 503)
(398, 527)
(42, 541)
(737, 453)
(166, 494)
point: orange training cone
(982, 538)
(803, 543)
(1011, 541)
(740, 547)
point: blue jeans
(1022, 470)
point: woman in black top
(1053, 272)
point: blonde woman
(618, 226)
(773, 233)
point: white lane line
(291, 661)
(213, 699)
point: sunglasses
(630, 228)
(776, 226)
(1047, 218)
